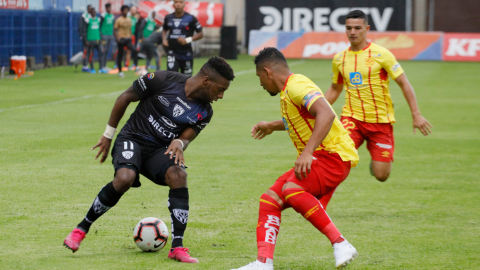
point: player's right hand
(165, 43)
(104, 148)
(260, 130)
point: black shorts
(173, 64)
(143, 157)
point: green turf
(426, 216)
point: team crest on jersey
(369, 62)
(181, 215)
(178, 110)
(176, 23)
(150, 76)
(127, 154)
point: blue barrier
(38, 33)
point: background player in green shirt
(93, 40)
(106, 30)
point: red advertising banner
(13, 4)
(461, 47)
(324, 45)
(116, 5)
(208, 14)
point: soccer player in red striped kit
(325, 155)
(364, 70)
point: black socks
(178, 206)
(106, 199)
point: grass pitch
(426, 216)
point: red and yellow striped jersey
(365, 77)
(297, 96)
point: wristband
(189, 40)
(180, 142)
(109, 132)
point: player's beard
(272, 94)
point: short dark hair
(357, 14)
(220, 66)
(124, 7)
(269, 54)
(107, 5)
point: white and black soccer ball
(150, 234)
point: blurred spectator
(93, 40)
(107, 20)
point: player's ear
(269, 72)
(206, 80)
(368, 27)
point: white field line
(59, 101)
(114, 93)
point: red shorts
(328, 171)
(380, 142)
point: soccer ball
(150, 234)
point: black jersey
(182, 27)
(164, 111)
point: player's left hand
(175, 149)
(422, 124)
(303, 165)
(181, 41)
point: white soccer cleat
(121, 75)
(256, 265)
(344, 253)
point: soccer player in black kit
(180, 27)
(173, 109)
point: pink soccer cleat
(181, 254)
(74, 239)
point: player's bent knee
(124, 179)
(176, 177)
(274, 196)
(382, 177)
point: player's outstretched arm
(333, 92)
(418, 120)
(118, 110)
(262, 129)
(324, 117)
(177, 146)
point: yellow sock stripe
(293, 194)
(262, 200)
(311, 211)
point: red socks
(311, 209)
(267, 227)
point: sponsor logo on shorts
(164, 101)
(385, 154)
(184, 103)
(150, 76)
(386, 146)
(178, 110)
(127, 154)
(181, 215)
(168, 122)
